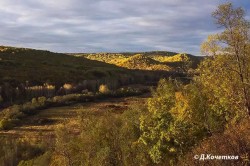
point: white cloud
(108, 25)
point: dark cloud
(108, 25)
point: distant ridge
(140, 61)
(153, 60)
(39, 66)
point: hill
(111, 58)
(180, 60)
(37, 66)
(29, 73)
(154, 60)
(140, 61)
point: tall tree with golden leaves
(226, 74)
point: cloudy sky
(109, 25)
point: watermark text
(215, 157)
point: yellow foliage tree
(104, 89)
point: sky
(109, 25)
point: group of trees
(15, 93)
(215, 104)
(161, 61)
(208, 115)
(13, 115)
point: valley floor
(43, 124)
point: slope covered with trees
(155, 60)
(20, 64)
(140, 61)
(27, 73)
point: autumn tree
(225, 75)
(177, 119)
(104, 89)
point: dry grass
(44, 124)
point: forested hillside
(20, 65)
(27, 73)
(155, 60)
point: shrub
(28, 108)
(104, 89)
(34, 101)
(128, 91)
(233, 141)
(14, 150)
(103, 140)
(42, 101)
(68, 88)
(13, 112)
(6, 124)
(43, 159)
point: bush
(41, 160)
(28, 108)
(6, 124)
(234, 141)
(42, 101)
(128, 91)
(68, 88)
(104, 89)
(14, 150)
(13, 112)
(104, 140)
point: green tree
(175, 121)
(156, 124)
(178, 117)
